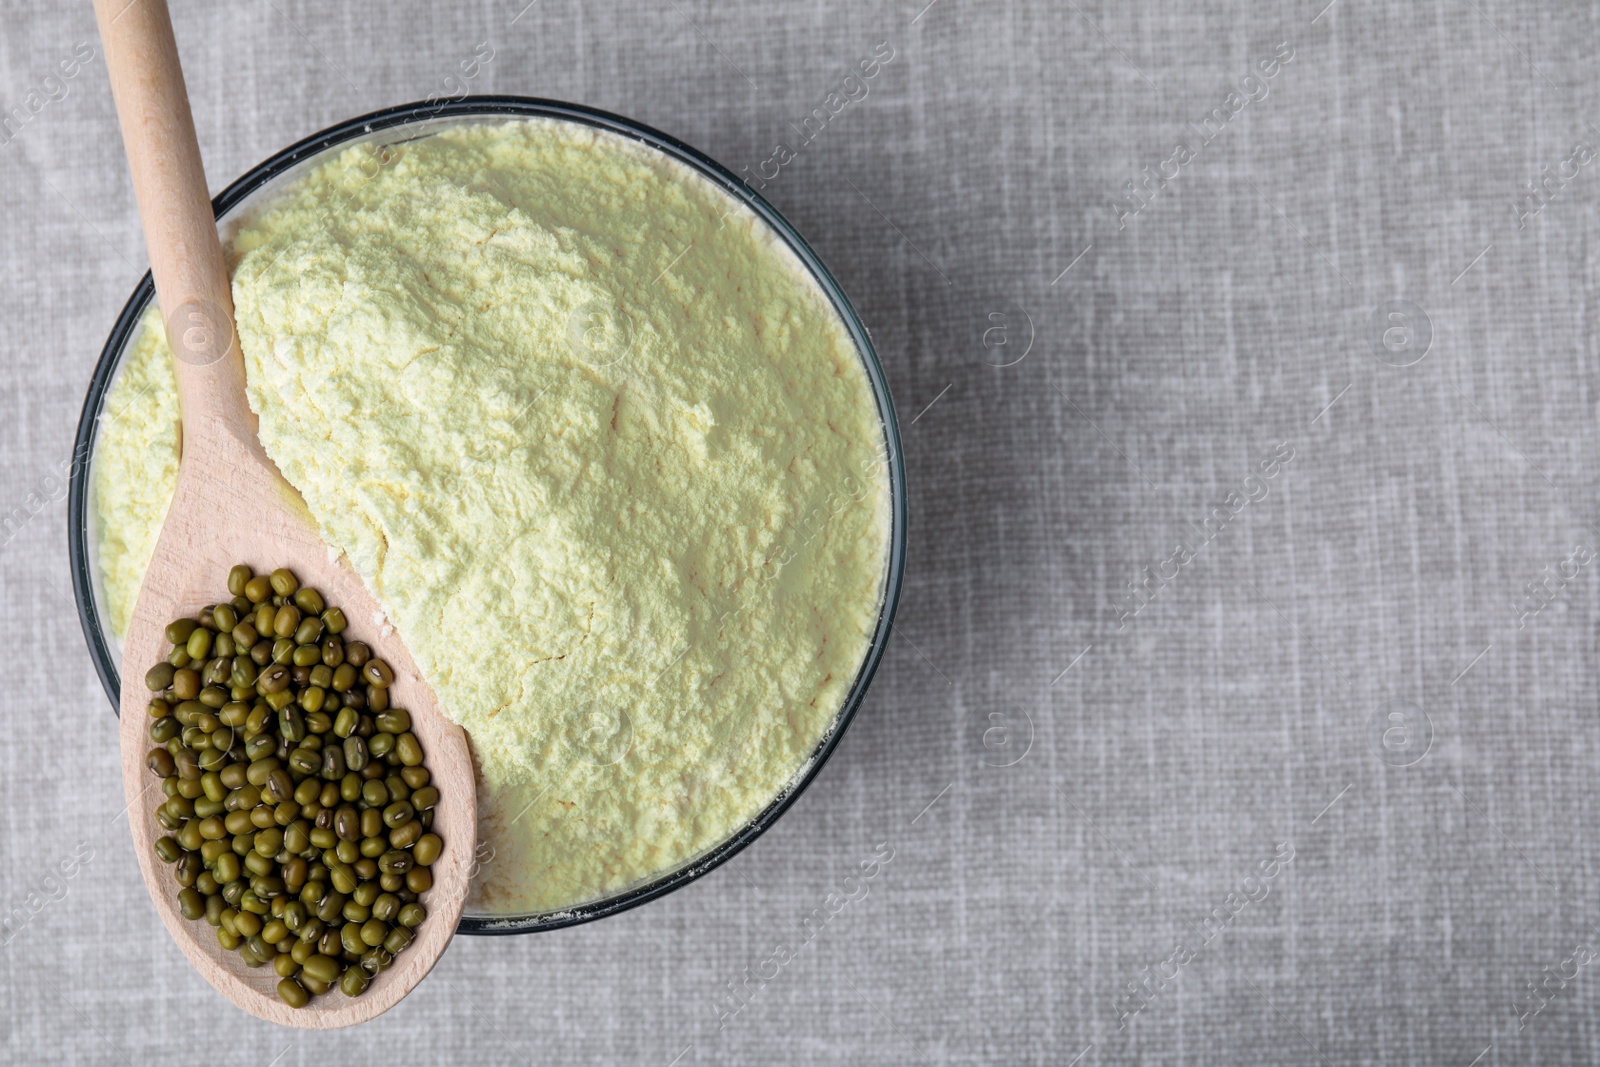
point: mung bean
(297, 807)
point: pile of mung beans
(299, 812)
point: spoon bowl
(239, 510)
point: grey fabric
(1073, 791)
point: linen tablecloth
(1242, 702)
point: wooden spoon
(233, 506)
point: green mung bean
(296, 804)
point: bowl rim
(365, 127)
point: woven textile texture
(1241, 706)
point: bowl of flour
(601, 434)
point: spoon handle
(180, 231)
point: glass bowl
(406, 123)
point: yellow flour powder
(602, 450)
